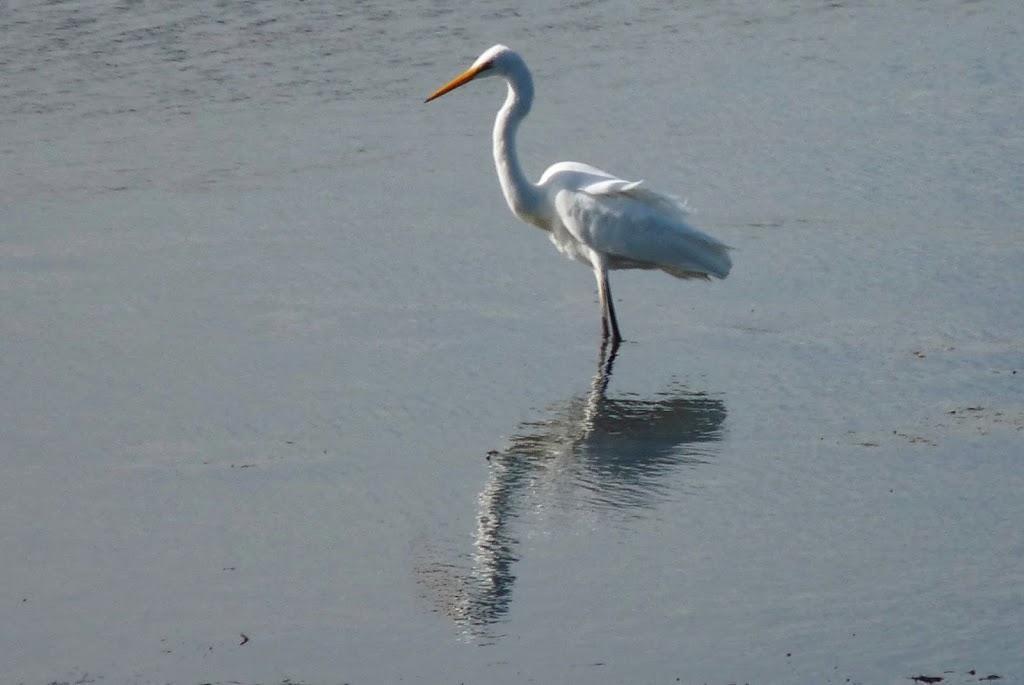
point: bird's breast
(569, 246)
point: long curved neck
(523, 197)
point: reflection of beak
(460, 80)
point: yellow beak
(460, 80)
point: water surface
(279, 363)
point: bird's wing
(638, 228)
(573, 175)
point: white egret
(591, 216)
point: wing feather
(639, 228)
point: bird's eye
(486, 65)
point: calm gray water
(279, 368)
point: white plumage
(593, 217)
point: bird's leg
(604, 292)
(616, 336)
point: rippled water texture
(289, 396)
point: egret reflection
(589, 452)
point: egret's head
(495, 61)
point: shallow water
(278, 362)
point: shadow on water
(591, 452)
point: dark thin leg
(616, 336)
(604, 292)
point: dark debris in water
(939, 679)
